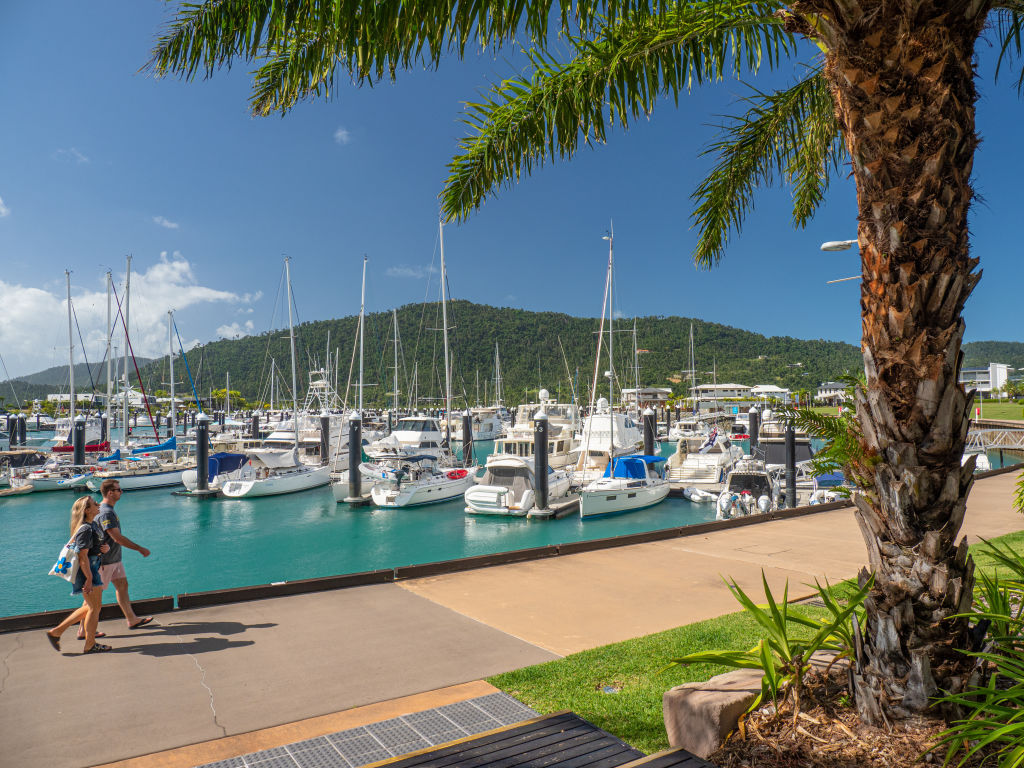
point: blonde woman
(89, 539)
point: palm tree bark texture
(903, 84)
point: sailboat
(275, 474)
(627, 482)
(427, 479)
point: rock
(698, 716)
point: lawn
(995, 409)
(618, 687)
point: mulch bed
(828, 733)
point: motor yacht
(629, 483)
(509, 487)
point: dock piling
(203, 452)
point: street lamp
(839, 245)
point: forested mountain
(538, 349)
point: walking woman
(89, 539)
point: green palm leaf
(792, 134)
(615, 77)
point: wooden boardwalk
(561, 740)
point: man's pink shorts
(112, 571)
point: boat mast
(110, 332)
(272, 362)
(170, 367)
(611, 352)
(497, 376)
(227, 393)
(124, 390)
(71, 357)
(693, 374)
(362, 332)
(291, 337)
(444, 317)
(394, 314)
(636, 373)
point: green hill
(531, 345)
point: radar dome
(544, 395)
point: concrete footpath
(203, 674)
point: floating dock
(564, 507)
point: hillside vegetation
(531, 345)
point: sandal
(97, 635)
(54, 641)
(98, 648)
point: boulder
(698, 716)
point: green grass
(994, 409)
(637, 668)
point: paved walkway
(217, 672)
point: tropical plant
(889, 87)
(782, 655)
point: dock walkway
(223, 671)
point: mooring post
(77, 439)
(254, 428)
(790, 466)
(325, 437)
(22, 430)
(104, 428)
(203, 452)
(355, 448)
(540, 456)
(648, 431)
(467, 438)
(754, 417)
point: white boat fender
(764, 504)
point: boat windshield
(757, 485)
(516, 479)
(417, 425)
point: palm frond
(615, 77)
(791, 134)
(1009, 28)
(367, 39)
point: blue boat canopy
(115, 456)
(631, 467)
(225, 462)
(170, 445)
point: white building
(655, 397)
(718, 391)
(833, 392)
(769, 392)
(985, 380)
(65, 397)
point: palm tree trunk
(903, 82)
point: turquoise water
(220, 543)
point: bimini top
(170, 445)
(222, 463)
(631, 467)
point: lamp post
(839, 245)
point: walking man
(111, 568)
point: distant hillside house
(769, 392)
(832, 393)
(713, 391)
(985, 380)
(65, 397)
(655, 397)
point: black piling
(38, 427)
(22, 430)
(254, 427)
(325, 437)
(104, 429)
(755, 427)
(170, 426)
(355, 445)
(790, 466)
(77, 439)
(203, 452)
(467, 439)
(540, 456)
(649, 429)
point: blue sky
(98, 161)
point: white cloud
(33, 325)
(71, 154)
(617, 314)
(342, 135)
(235, 330)
(166, 223)
(414, 272)
(4, 210)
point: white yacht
(53, 476)
(706, 468)
(630, 483)
(508, 487)
(411, 436)
(606, 435)
(563, 424)
(487, 425)
(136, 474)
(418, 480)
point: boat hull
(498, 500)
(142, 481)
(603, 502)
(418, 493)
(277, 484)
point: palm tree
(888, 87)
